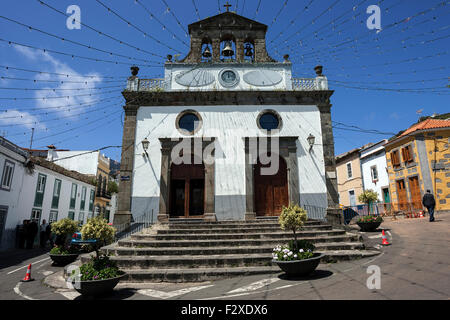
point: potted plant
(369, 222)
(99, 275)
(297, 258)
(62, 253)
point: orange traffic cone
(28, 275)
(384, 242)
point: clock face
(229, 76)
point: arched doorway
(271, 191)
(187, 190)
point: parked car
(77, 239)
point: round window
(189, 121)
(269, 121)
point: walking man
(43, 235)
(429, 202)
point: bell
(228, 50)
(248, 51)
(206, 53)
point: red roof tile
(427, 124)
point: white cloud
(50, 64)
(15, 117)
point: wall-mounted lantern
(145, 144)
(311, 140)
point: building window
(83, 198)
(53, 216)
(71, 215)
(81, 218)
(8, 171)
(188, 122)
(36, 216)
(352, 198)
(41, 183)
(73, 196)
(407, 154)
(56, 193)
(395, 159)
(349, 170)
(269, 120)
(374, 173)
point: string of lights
(61, 89)
(196, 10)
(68, 108)
(60, 74)
(390, 82)
(368, 34)
(58, 118)
(146, 35)
(291, 23)
(101, 32)
(59, 97)
(175, 17)
(257, 9)
(45, 50)
(56, 81)
(76, 42)
(433, 90)
(279, 12)
(164, 27)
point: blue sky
(410, 53)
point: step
(128, 251)
(253, 229)
(225, 236)
(194, 275)
(225, 260)
(348, 237)
(232, 224)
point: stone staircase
(188, 250)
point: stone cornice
(209, 98)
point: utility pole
(31, 140)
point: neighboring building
(419, 160)
(225, 99)
(93, 164)
(349, 177)
(36, 189)
(374, 170)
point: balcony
(157, 85)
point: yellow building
(419, 160)
(349, 178)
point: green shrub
(64, 227)
(63, 250)
(99, 268)
(368, 196)
(97, 228)
(292, 218)
(370, 218)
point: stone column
(123, 214)
(250, 213)
(210, 175)
(334, 214)
(216, 50)
(164, 184)
(294, 191)
(239, 50)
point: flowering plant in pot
(99, 274)
(369, 222)
(298, 256)
(62, 253)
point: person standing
(48, 231)
(43, 234)
(429, 202)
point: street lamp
(145, 144)
(311, 139)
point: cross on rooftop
(227, 6)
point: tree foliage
(368, 196)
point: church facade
(228, 134)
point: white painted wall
(20, 199)
(229, 125)
(374, 156)
(83, 163)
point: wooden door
(271, 191)
(401, 193)
(414, 190)
(187, 190)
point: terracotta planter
(94, 288)
(300, 267)
(63, 259)
(369, 226)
